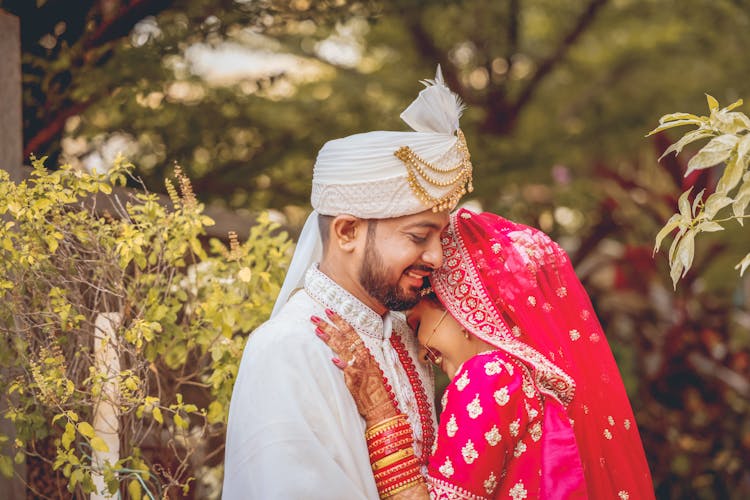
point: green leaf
(85, 429)
(697, 201)
(6, 466)
(709, 227)
(68, 436)
(180, 422)
(713, 104)
(734, 105)
(683, 203)
(714, 203)
(741, 201)
(675, 272)
(215, 412)
(98, 444)
(688, 138)
(678, 116)
(675, 242)
(670, 226)
(731, 176)
(743, 264)
(713, 153)
(686, 250)
(743, 148)
(156, 412)
(75, 477)
(729, 123)
(134, 489)
(678, 123)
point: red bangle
(389, 448)
(385, 487)
(396, 477)
(401, 465)
(380, 439)
(388, 431)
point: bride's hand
(362, 373)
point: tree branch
(120, 24)
(584, 21)
(513, 15)
(53, 128)
(427, 48)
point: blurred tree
(546, 82)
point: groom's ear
(347, 231)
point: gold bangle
(395, 444)
(399, 440)
(382, 425)
(393, 457)
(398, 489)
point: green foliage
(184, 308)
(729, 150)
(250, 142)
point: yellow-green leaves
(187, 305)
(68, 436)
(98, 444)
(728, 147)
(744, 264)
(716, 151)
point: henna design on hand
(362, 374)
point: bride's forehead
(425, 306)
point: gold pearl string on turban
(459, 174)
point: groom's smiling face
(399, 254)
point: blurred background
(560, 95)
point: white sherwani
(294, 431)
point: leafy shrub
(181, 308)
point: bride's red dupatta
(515, 288)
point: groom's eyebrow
(425, 224)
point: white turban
(382, 175)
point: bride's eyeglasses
(435, 357)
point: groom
(381, 200)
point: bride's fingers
(342, 325)
(333, 337)
(322, 335)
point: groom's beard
(373, 276)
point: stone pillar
(106, 414)
(11, 140)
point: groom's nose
(433, 254)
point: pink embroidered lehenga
(546, 414)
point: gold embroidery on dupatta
(477, 312)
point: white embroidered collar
(331, 295)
